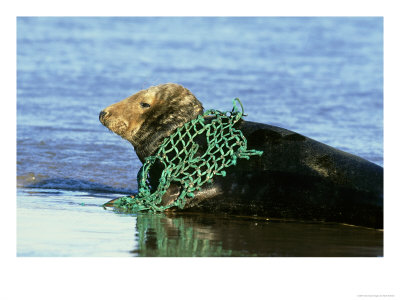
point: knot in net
(184, 164)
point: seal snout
(114, 123)
(103, 116)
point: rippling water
(321, 77)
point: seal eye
(144, 105)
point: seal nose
(103, 115)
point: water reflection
(160, 235)
(209, 235)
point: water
(321, 77)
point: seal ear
(144, 105)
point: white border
(210, 278)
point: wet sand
(54, 222)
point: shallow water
(71, 223)
(321, 77)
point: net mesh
(183, 163)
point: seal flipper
(112, 202)
(171, 194)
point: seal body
(295, 178)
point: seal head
(147, 117)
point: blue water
(321, 77)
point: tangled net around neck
(184, 165)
